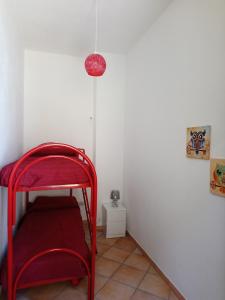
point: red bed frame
(77, 158)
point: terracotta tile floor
(122, 272)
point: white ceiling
(67, 26)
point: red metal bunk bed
(61, 253)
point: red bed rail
(13, 188)
(38, 160)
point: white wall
(58, 106)
(176, 79)
(57, 101)
(11, 103)
(111, 89)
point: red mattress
(56, 171)
(51, 222)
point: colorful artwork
(198, 142)
(217, 177)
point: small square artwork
(198, 142)
(217, 177)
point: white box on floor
(114, 218)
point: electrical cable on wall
(95, 66)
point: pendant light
(95, 63)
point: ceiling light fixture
(95, 63)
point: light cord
(96, 25)
(94, 141)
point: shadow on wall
(3, 221)
(4, 218)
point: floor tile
(44, 292)
(129, 276)
(71, 294)
(97, 256)
(152, 270)
(99, 283)
(99, 233)
(81, 287)
(137, 261)
(126, 244)
(106, 267)
(138, 251)
(115, 291)
(173, 296)
(116, 254)
(155, 285)
(140, 295)
(103, 240)
(101, 248)
(19, 297)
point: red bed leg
(9, 277)
(10, 246)
(93, 254)
(90, 288)
(14, 295)
(85, 197)
(75, 281)
(93, 223)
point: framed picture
(198, 142)
(217, 176)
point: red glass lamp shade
(95, 64)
